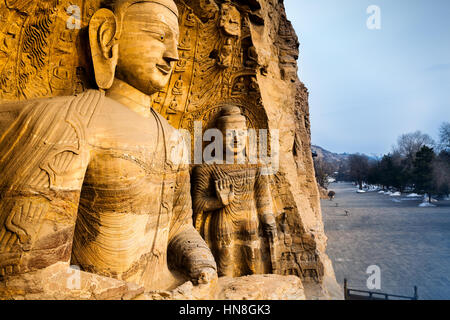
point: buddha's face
(147, 46)
(235, 136)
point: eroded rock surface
(61, 282)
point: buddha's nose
(171, 54)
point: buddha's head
(135, 41)
(233, 126)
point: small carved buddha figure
(233, 206)
(230, 20)
(253, 85)
(252, 57)
(190, 20)
(239, 86)
(172, 109)
(178, 87)
(181, 64)
(226, 56)
(185, 43)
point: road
(411, 245)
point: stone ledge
(55, 282)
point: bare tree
(359, 168)
(323, 171)
(410, 143)
(444, 137)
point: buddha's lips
(164, 68)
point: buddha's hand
(269, 226)
(204, 275)
(224, 191)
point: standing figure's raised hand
(224, 191)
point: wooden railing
(353, 294)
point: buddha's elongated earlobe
(103, 29)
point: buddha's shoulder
(82, 103)
(89, 109)
(78, 107)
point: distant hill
(329, 156)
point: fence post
(345, 289)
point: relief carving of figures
(205, 9)
(173, 106)
(185, 43)
(252, 57)
(181, 64)
(230, 24)
(239, 87)
(190, 19)
(230, 20)
(225, 58)
(233, 207)
(40, 48)
(253, 85)
(178, 87)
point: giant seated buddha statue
(95, 179)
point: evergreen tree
(441, 173)
(392, 173)
(423, 171)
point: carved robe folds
(236, 233)
(105, 185)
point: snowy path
(410, 244)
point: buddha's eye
(158, 35)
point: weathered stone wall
(285, 99)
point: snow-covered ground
(426, 205)
(413, 195)
(393, 193)
(410, 244)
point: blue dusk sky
(366, 86)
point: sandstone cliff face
(285, 99)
